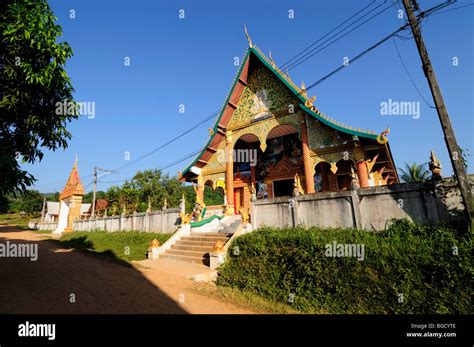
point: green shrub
(290, 266)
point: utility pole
(449, 137)
(93, 194)
(43, 210)
(96, 168)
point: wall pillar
(74, 211)
(229, 175)
(308, 163)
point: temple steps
(196, 247)
(196, 243)
(192, 247)
(205, 238)
(177, 257)
(186, 253)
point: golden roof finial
(271, 58)
(382, 137)
(75, 163)
(248, 37)
(303, 90)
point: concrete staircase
(196, 247)
(229, 225)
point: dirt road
(66, 281)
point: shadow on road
(65, 281)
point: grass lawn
(125, 246)
(15, 219)
(43, 231)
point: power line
(352, 60)
(317, 49)
(452, 9)
(424, 14)
(170, 141)
(160, 168)
(187, 156)
(408, 74)
(174, 139)
(337, 27)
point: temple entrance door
(283, 187)
(238, 199)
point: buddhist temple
(270, 137)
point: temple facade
(270, 140)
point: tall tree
(87, 199)
(31, 202)
(414, 173)
(113, 195)
(33, 83)
(129, 198)
(150, 184)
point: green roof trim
(315, 114)
(326, 121)
(205, 221)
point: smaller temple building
(51, 214)
(70, 202)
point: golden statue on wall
(198, 212)
(244, 212)
(298, 188)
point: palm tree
(414, 173)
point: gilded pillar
(229, 175)
(361, 166)
(200, 189)
(307, 162)
(74, 211)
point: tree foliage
(29, 201)
(414, 173)
(153, 186)
(33, 80)
(87, 198)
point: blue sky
(190, 61)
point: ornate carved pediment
(264, 96)
(322, 136)
(217, 162)
(284, 168)
(238, 179)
